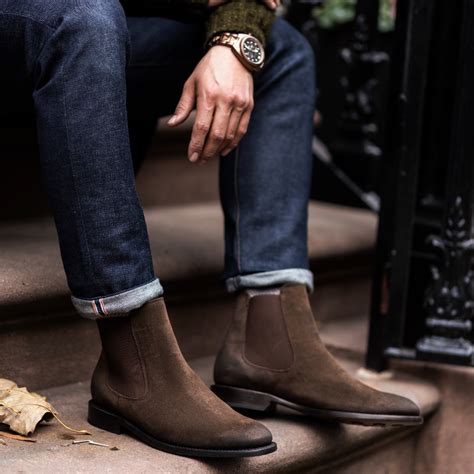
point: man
(70, 57)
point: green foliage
(386, 17)
(338, 12)
(335, 12)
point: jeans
(92, 76)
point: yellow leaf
(22, 410)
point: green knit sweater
(239, 16)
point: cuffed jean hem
(273, 278)
(119, 304)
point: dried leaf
(22, 410)
(17, 437)
(2, 442)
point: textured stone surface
(394, 456)
(304, 445)
(446, 443)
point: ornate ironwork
(429, 317)
(358, 124)
(450, 299)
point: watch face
(252, 50)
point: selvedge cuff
(272, 278)
(118, 304)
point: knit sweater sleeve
(146, 7)
(235, 16)
(241, 16)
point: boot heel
(103, 419)
(243, 399)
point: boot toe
(398, 405)
(245, 436)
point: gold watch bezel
(258, 65)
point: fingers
(241, 131)
(217, 133)
(238, 125)
(201, 127)
(221, 130)
(271, 4)
(232, 129)
(224, 98)
(216, 3)
(232, 117)
(185, 104)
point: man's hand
(222, 89)
(271, 4)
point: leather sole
(104, 419)
(244, 399)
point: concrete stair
(46, 347)
(303, 445)
(444, 443)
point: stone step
(44, 344)
(445, 443)
(303, 445)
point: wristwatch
(248, 49)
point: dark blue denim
(77, 59)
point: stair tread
(302, 444)
(187, 244)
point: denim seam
(237, 213)
(82, 223)
(40, 53)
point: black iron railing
(423, 295)
(411, 145)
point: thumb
(185, 105)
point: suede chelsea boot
(142, 385)
(273, 355)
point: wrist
(223, 55)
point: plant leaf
(22, 410)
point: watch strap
(224, 39)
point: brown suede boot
(273, 355)
(143, 385)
